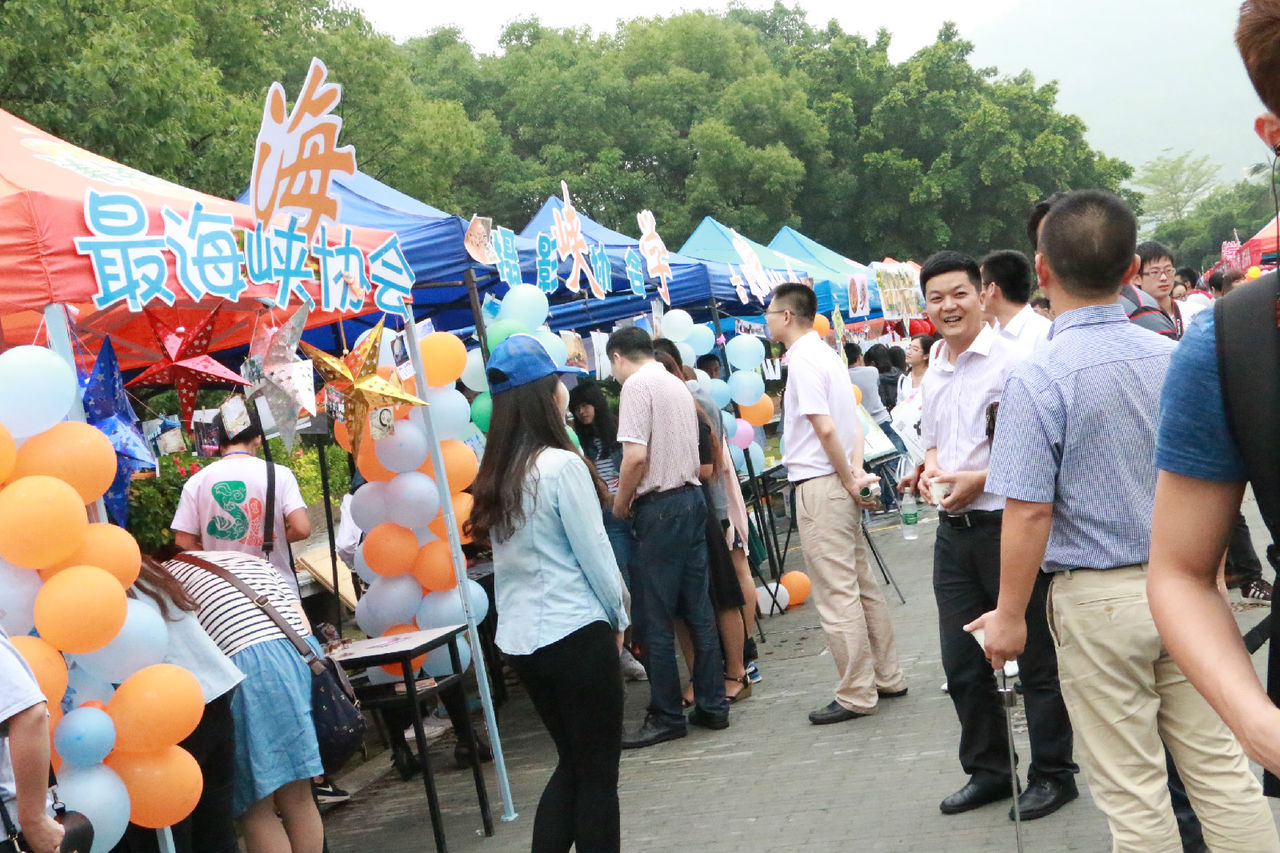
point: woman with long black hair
(561, 601)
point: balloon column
(116, 748)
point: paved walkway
(771, 782)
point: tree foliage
(1174, 183)
(756, 117)
(1196, 239)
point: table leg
(420, 736)
(469, 737)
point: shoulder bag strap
(317, 666)
(10, 828)
(269, 516)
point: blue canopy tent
(713, 243)
(836, 272)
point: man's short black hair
(1037, 215)
(632, 343)
(708, 362)
(1040, 302)
(1149, 251)
(1190, 276)
(1088, 239)
(852, 352)
(800, 298)
(947, 261)
(1011, 271)
(669, 347)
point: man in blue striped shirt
(1074, 456)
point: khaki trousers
(1127, 700)
(850, 604)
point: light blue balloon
(438, 664)
(85, 736)
(745, 352)
(378, 675)
(554, 346)
(526, 303)
(83, 686)
(412, 499)
(440, 608)
(739, 459)
(98, 794)
(143, 641)
(687, 357)
(37, 388)
(479, 600)
(756, 454)
(449, 411)
(361, 568)
(702, 339)
(677, 324)
(729, 421)
(387, 602)
(746, 387)
(18, 590)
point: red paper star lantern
(184, 363)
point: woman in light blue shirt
(560, 598)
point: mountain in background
(1144, 75)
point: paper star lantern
(355, 379)
(285, 381)
(107, 407)
(184, 363)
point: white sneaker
(632, 670)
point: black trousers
(576, 687)
(1243, 564)
(966, 583)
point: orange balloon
(164, 785)
(155, 708)
(462, 503)
(857, 395)
(821, 325)
(80, 609)
(42, 521)
(444, 357)
(47, 664)
(93, 703)
(759, 413)
(797, 586)
(389, 549)
(108, 547)
(367, 462)
(8, 453)
(74, 452)
(433, 566)
(415, 664)
(460, 465)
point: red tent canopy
(1265, 242)
(43, 186)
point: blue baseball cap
(519, 360)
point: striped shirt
(226, 614)
(1077, 428)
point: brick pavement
(771, 782)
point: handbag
(340, 725)
(77, 831)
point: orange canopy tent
(43, 186)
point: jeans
(1243, 565)
(576, 688)
(619, 533)
(889, 484)
(966, 582)
(669, 565)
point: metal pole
(58, 330)
(327, 497)
(459, 562)
(718, 349)
(1010, 700)
(470, 280)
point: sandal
(743, 693)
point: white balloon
(702, 339)
(405, 449)
(362, 569)
(18, 590)
(440, 608)
(449, 411)
(687, 357)
(412, 499)
(37, 388)
(142, 641)
(677, 324)
(425, 535)
(525, 303)
(100, 795)
(554, 346)
(387, 602)
(766, 602)
(473, 375)
(704, 381)
(369, 505)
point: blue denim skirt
(275, 739)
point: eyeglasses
(777, 311)
(1159, 272)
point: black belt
(973, 518)
(647, 496)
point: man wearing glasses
(1155, 277)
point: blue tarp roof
(713, 242)
(835, 273)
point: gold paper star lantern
(355, 379)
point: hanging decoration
(284, 381)
(107, 407)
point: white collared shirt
(1026, 327)
(955, 402)
(817, 384)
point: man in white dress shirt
(1006, 281)
(961, 393)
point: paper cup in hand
(939, 491)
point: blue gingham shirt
(1077, 428)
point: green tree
(1173, 184)
(1239, 209)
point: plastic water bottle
(909, 510)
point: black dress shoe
(833, 713)
(1044, 797)
(652, 732)
(976, 794)
(701, 719)
(892, 694)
